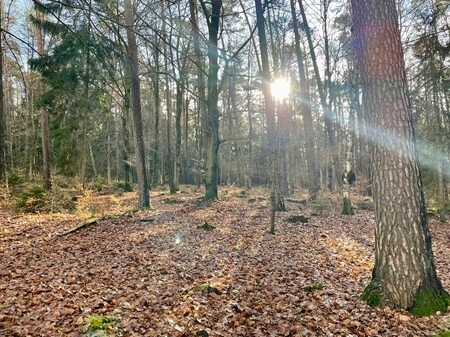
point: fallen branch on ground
(81, 226)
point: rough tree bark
(404, 274)
(144, 197)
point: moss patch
(427, 302)
(443, 334)
(371, 294)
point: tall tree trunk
(45, 130)
(212, 134)
(201, 86)
(87, 107)
(167, 54)
(144, 197)
(126, 150)
(108, 145)
(328, 113)
(178, 113)
(269, 109)
(348, 177)
(404, 275)
(155, 171)
(2, 111)
(308, 126)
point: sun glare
(280, 89)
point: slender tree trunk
(170, 156)
(108, 149)
(94, 167)
(328, 114)
(87, 108)
(201, 87)
(45, 130)
(185, 164)
(178, 113)
(126, 150)
(269, 110)
(155, 171)
(2, 111)
(404, 275)
(212, 135)
(308, 126)
(348, 177)
(144, 197)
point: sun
(280, 89)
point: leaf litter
(162, 275)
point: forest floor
(156, 273)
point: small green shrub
(33, 200)
(99, 183)
(14, 179)
(101, 325)
(443, 334)
(315, 286)
(123, 186)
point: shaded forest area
(160, 273)
(196, 168)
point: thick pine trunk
(404, 274)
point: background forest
(68, 108)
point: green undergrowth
(371, 294)
(206, 226)
(443, 334)
(101, 326)
(315, 286)
(32, 200)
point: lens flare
(280, 89)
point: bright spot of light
(280, 89)
(177, 240)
